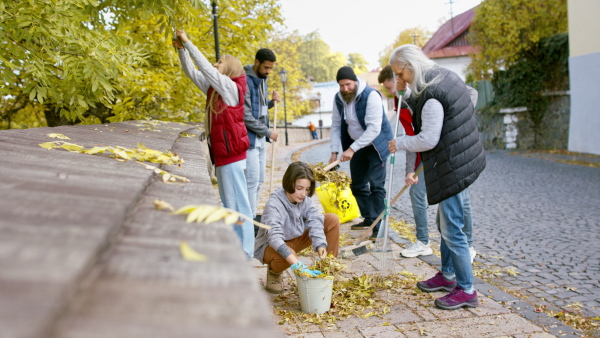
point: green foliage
(358, 63)
(542, 67)
(416, 35)
(77, 61)
(502, 29)
(316, 59)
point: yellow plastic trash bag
(338, 201)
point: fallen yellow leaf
(189, 254)
(60, 136)
(160, 204)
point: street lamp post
(216, 30)
(283, 76)
(320, 118)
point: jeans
(314, 134)
(255, 171)
(234, 195)
(468, 229)
(456, 259)
(418, 199)
(368, 183)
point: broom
(363, 246)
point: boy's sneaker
(436, 283)
(417, 248)
(473, 253)
(456, 299)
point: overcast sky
(367, 27)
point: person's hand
(333, 158)
(409, 180)
(275, 96)
(304, 269)
(400, 84)
(322, 252)
(181, 36)
(202, 136)
(176, 44)
(274, 136)
(392, 146)
(347, 155)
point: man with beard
(359, 124)
(256, 117)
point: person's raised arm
(220, 82)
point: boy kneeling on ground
(295, 224)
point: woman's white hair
(416, 61)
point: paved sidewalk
(413, 314)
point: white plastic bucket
(314, 293)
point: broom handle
(386, 221)
(415, 175)
(273, 147)
(331, 165)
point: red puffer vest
(228, 135)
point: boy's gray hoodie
(288, 221)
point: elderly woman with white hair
(446, 135)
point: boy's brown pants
(331, 226)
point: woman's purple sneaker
(436, 283)
(456, 299)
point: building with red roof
(449, 46)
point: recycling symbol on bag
(345, 204)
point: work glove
(202, 136)
(302, 268)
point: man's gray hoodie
(258, 126)
(288, 221)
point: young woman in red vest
(224, 83)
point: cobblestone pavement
(535, 217)
(412, 314)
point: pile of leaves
(141, 153)
(404, 229)
(575, 319)
(336, 182)
(338, 178)
(356, 296)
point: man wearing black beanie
(360, 125)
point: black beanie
(346, 73)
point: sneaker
(473, 253)
(364, 225)
(417, 248)
(274, 283)
(456, 299)
(437, 283)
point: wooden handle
(331, 165)
(368, 232)
(273, 147)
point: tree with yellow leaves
(502, 29)
(104, 60)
